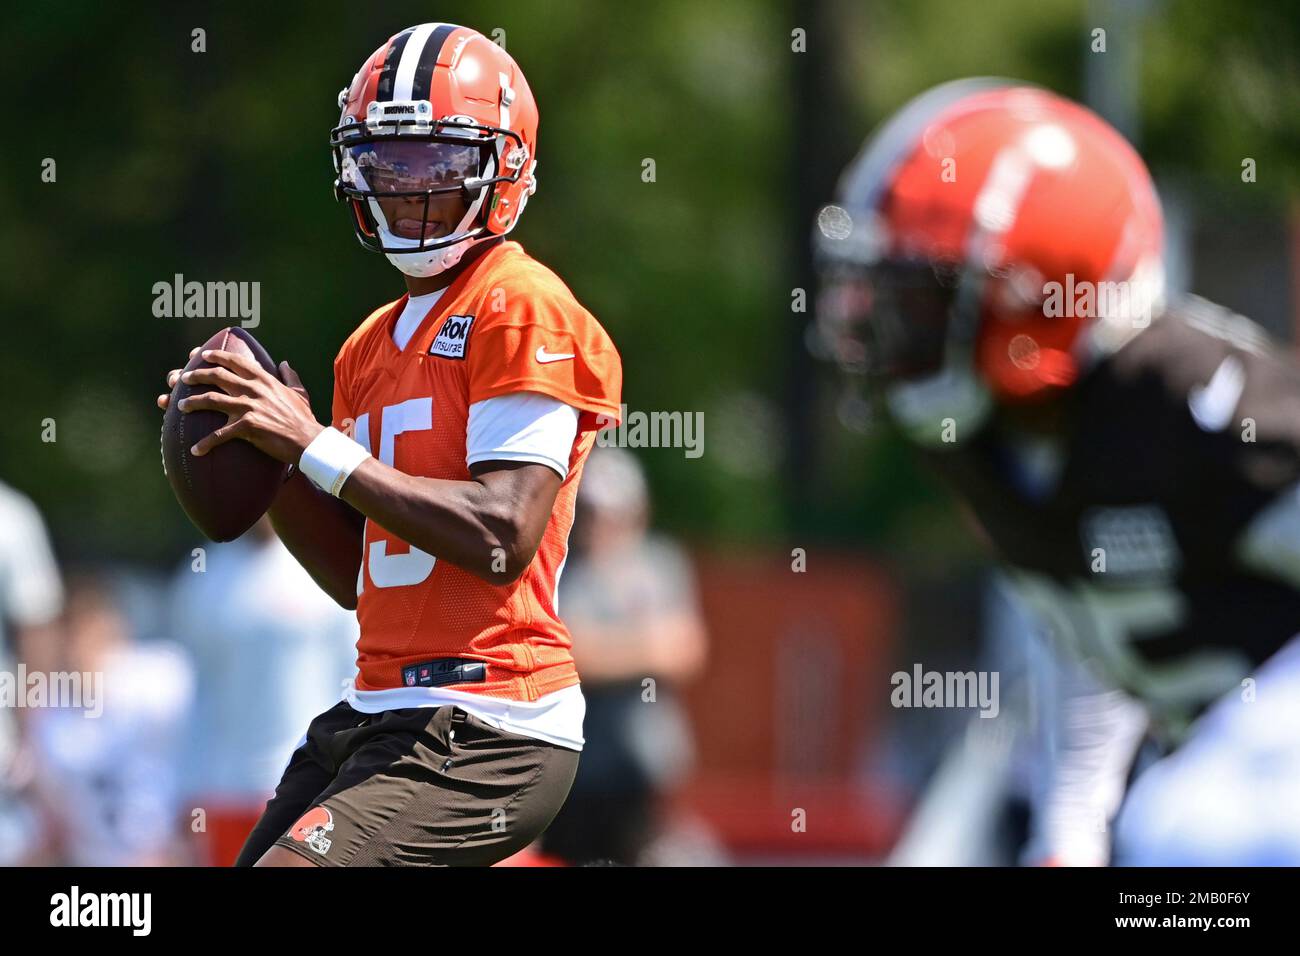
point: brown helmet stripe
(423, 81)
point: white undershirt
(417, 308)
(523, 426)
(555, 717)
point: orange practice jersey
(482, 339)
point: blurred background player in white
(31, 596)
(628, 595)
(107, 772)
(271, 651)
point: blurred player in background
(993, 267)
(438, 503)
(108, 771)
(629, 599)
(31, 596)
(251, 617)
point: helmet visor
(396, 167)
(422, 193)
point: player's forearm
(323, 533)
(473, 526)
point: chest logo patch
(452, 337)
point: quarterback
(993, 267)
(439, 499)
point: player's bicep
(518, 447)
(522, 497)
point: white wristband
(330, 458)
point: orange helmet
(991, 237)
(438, 109)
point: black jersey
(1138, 533)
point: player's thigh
(307, 774)
(435, 788)
(279, 856)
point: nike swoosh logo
(1213, 403)
(545, 357)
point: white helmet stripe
(411, 54)
(872, 172)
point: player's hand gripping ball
(226, 489)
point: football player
(993, 269)
(439, 499)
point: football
(225, 491)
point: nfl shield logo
(410, 678)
